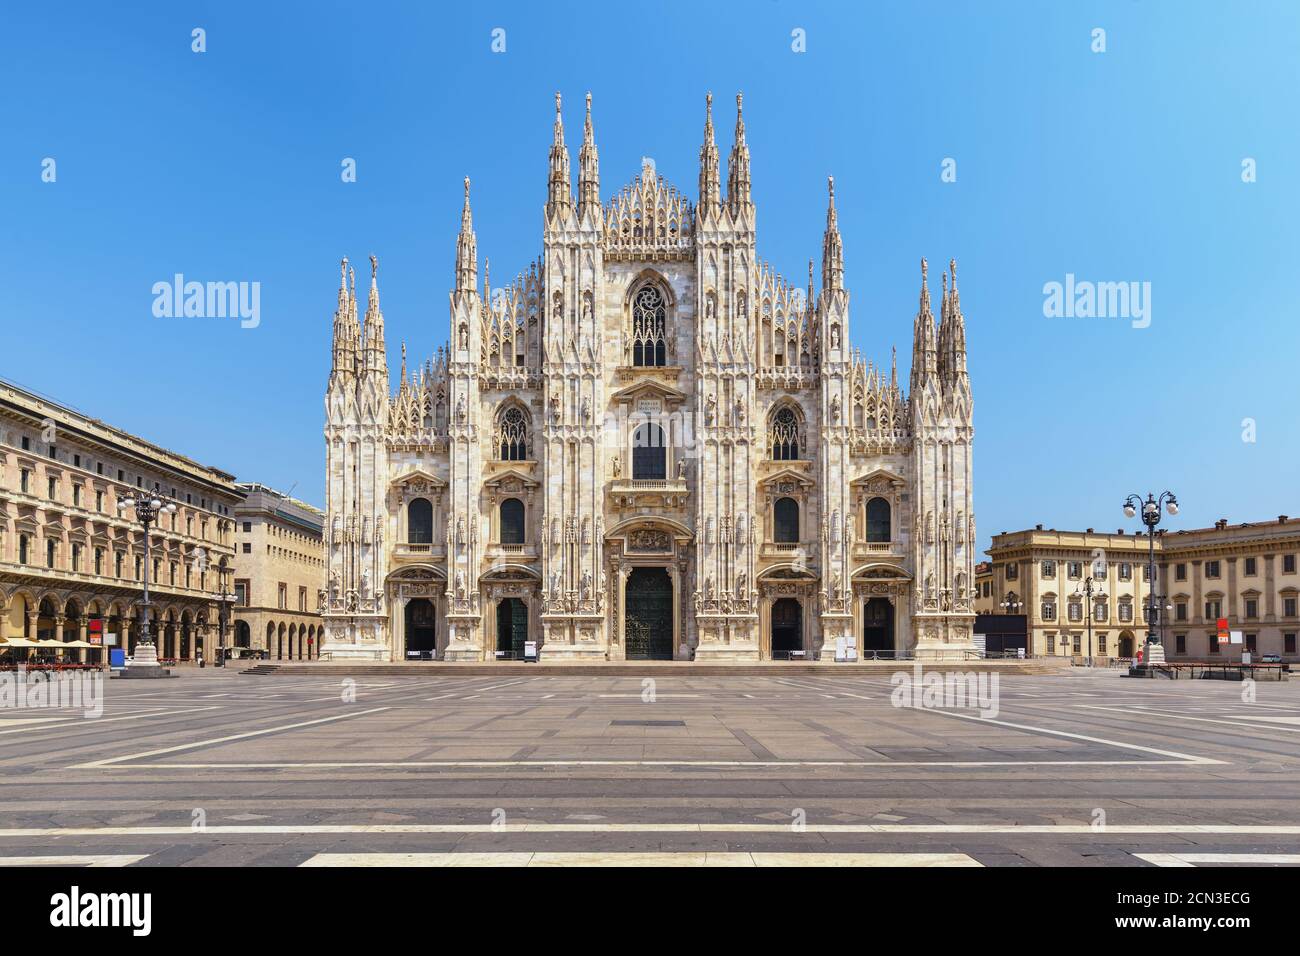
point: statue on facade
(585, 585)
(710, 409)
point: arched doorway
(243, 635)
(421, 627)
(648, 623)
(512, 627)
(787, 628)
(1126, 644)
(878, 625)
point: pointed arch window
(649, 327)
(785, 434)
(512, 434)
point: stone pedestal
(144, 664)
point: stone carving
(645, 539)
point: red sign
(1223, 628)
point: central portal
(648, 624)
(878, 626)
(421, 628)
(512, 629)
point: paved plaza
(218, 768)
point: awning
(18, 642)
(86, 644)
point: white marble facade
(649, 444)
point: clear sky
(1116, 166)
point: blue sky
(1117, 166)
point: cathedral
(648, 445)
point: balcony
(626, 493)
(415, 551)
(867, 550)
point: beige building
(1046, 572)
(985, 602)
(1245, 573)
(649, 445)
(279, 567)
(72, 564)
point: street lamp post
(1086, 590)
(1150, 509)
(144, 660)
(1011, 604)
(224, 601)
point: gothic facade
(648, 445)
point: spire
(738, 166)
(376, 359)
(709, 177)
(588, 173)
(832, 245)
(344, 356)
(354, 324)
(945, 332)
(957, 331)
(812, 299)
(466, 249)
(403, 384)
(487, 284)
(923, 348)
(559, 198)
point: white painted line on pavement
(1186, 758)
(88, 860)
(1232, 859)
(110, 761)
(1236, 720)
(1079, 829)
(70, 722)
(524, 764)
(687, 858)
